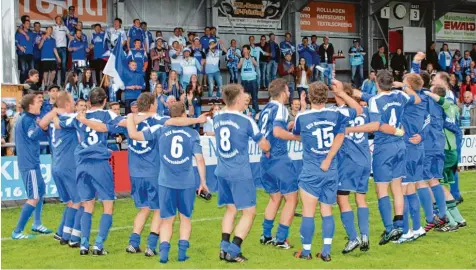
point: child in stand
(72, 85)
(194, 90)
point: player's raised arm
(186, 121)
(46, 120)
(416, 63)
(338, 89)
(132, 130)
(97, 126)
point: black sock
(398, 217)
(225, 237)
(153, 233)
(237, 241)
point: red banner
(120, 170)
(330, 17)
(86, 11)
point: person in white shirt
(61, 35)
(177, 37)
(113, 33)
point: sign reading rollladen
(456, 26)
(86, 10)
(328, 17)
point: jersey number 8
(225, 143)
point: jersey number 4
(325, 137)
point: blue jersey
(232, 133)
(36, 42)
(27, 140)
(140, 56)
(136, 33)
(356, 144)
(388, 108)
(20, 40)
(273, 115)
(99, 42)
(63, 144)
(48, 49)
(143, 156)
(318, 129)
(81, 46)
(414, 119)
(177, 146)
(93, 144)
(434, 138)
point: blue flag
(116, 65)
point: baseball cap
(212, 40)
(355, 40)
(196, 38)
(133, 103)
(187, 50)
(161, 38)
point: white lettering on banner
(5, 170)
(468, 151)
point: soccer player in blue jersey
(177, 147)
(386, 113)
(144, 171)
(278, 175)
(354, 172)
(413, 123)
(28, 133)
(322, 134)
(236, 188)
(63, 145)
(93, 171)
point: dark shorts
(48, 65)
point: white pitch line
(113, 229)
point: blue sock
(104, 226)
(363, 219)
(426, 203)
(134, 240)
(328, 229)
(348, 222)
(439, 194)
(414, 207)
(76, 233)
(454, 188)
(164, 249)
(406, 223)
(68, 223)
(307, 233)
(385, 208)
(267, 227)
(86, 221)
(282, 232)
(183, 245)
(152, 241)
(59, 231)
(234, 249)
(38, 211)
(25, 215)
(224, 245)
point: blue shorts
(241, 193)
(414, 161)
(389, 161)
(278, 175)
(322, 186)
(145, 192)
(352, 177)
(34, 183)
(95, 178)
(65, 180)
(171, 199)
(433, 165)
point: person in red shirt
(467, 85)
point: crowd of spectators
(186, 67)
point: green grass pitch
(436, 250)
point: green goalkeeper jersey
(452, 113)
